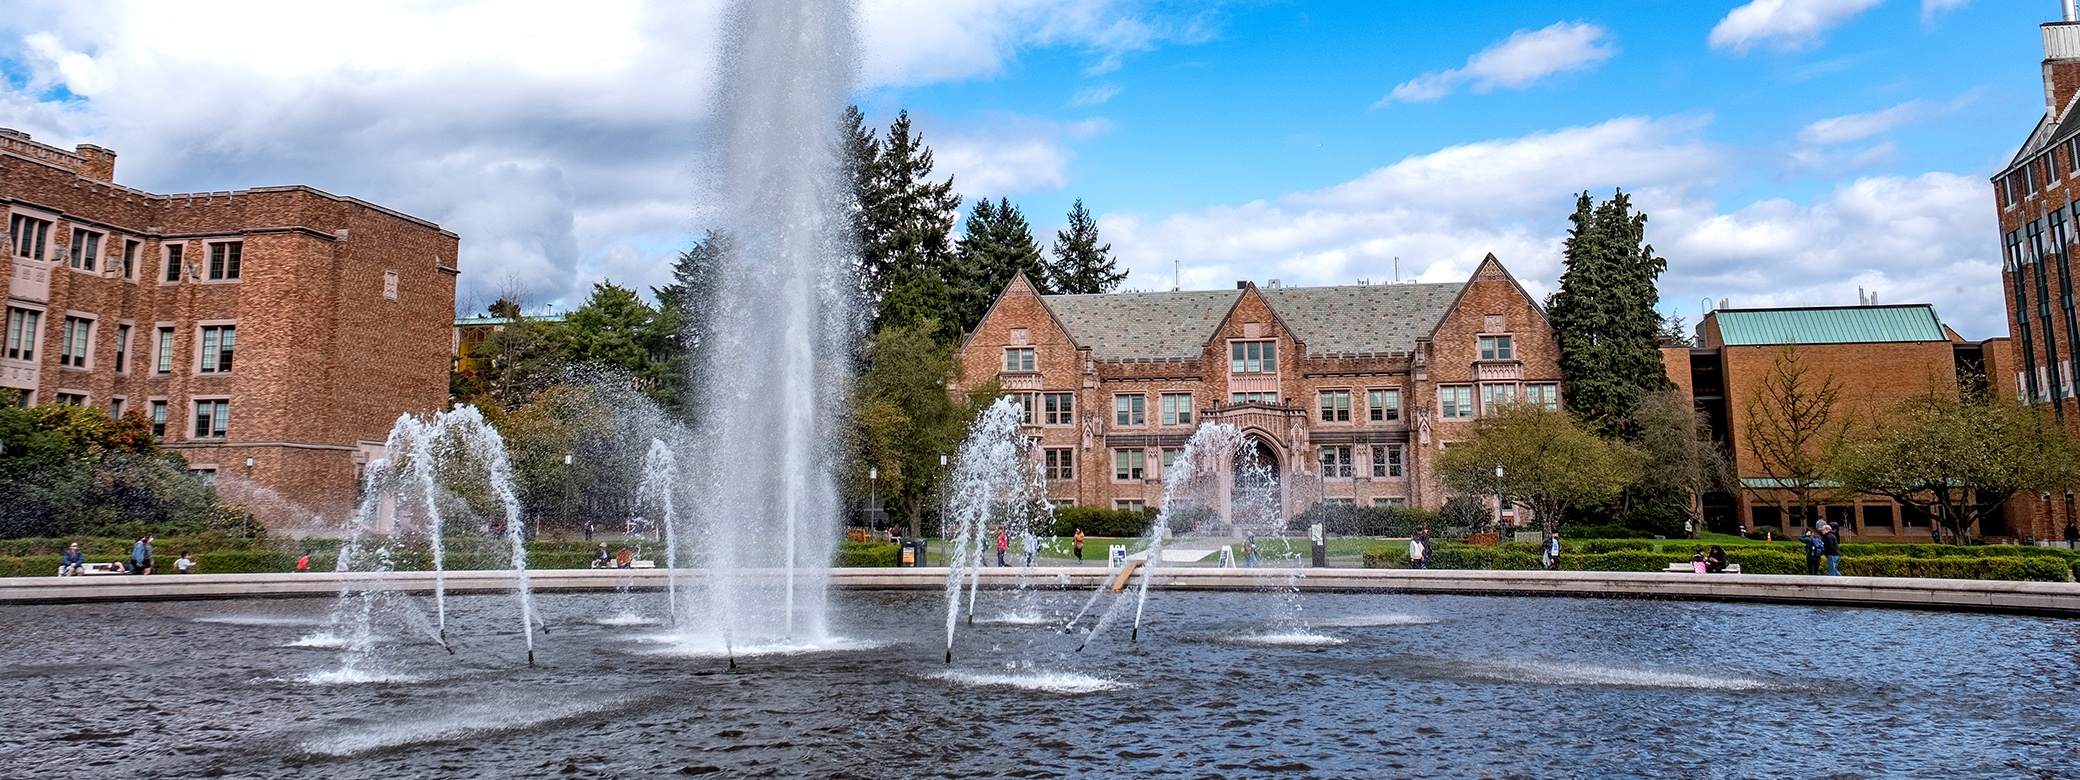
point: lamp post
(566, 496)
(873, 497)
(1498, 503)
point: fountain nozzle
(530, 658)
(949, 655)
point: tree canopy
(1603, 316)
(1082, 266)
(1549, 463)
(1958, 456)
(996, 245)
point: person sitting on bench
(1715, 561)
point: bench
(92, 569)
(1686, 568)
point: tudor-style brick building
(2035, 201)
(1348, 392)
(337, 312)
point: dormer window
(1018, 359)
(1496, 348)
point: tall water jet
(994, 481)
(776, 362)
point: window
(1255, 398)
(1496, 348)
(1025, 406)
(86, 248)
(1018, 359)
(71, 399)
(389, 285)
(130, 248)
(1061, 464)
(2029, 180)
(208, 477)
(1128, 464)
(21, 333)
(115, 409)
(1336, 461)
(1170, 456)
(1879, 516)
(223, 259)
(72, 348)
(1177, 408)
(1386, 460)
(1130, 410)
(173, 262)
(2050, 167)
(1060, 408)
(1546, 395)
(1131, 506)
(165, 350)
(1390, 502)
(158, 419)
(218, 342)
(1455, 403)
(1384, 405)
(211, 419)
(1494, 397)
(29, 234)
(122, 348)
(1253, 357)
(1336, 405)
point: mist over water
(774, 371)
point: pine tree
(683, 306)
(903, 219)
(996, 246)
(1604, 317)
(1081, 265)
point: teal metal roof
(1829, 325)
(461, 321)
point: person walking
(1249, 551)
(1813, 546)
(1416, 552)
(184, 564)
(2072, 534)
(1078, 544)
(1003, 543)
(1422, 541)
(141, 555)
(1551, 557)
(1935, 533)
(1031, 545)
(588, 530)
(75, 562)
(1831, 546)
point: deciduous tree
(1549, 462)
(1794, 418)
(1958, 456)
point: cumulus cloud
(1003, 155)
(1788, 25)
(1913, 238)
(1929, 8)
(564, 148)
(1513, 63)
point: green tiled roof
(461, 321)
(1829, 325)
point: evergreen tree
(996, 245)
(616, 329)
(680, 328)
(904, 220)
(1081, 265)
(1604, 318)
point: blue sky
(1787, 151)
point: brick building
(129, 301)
(2034, 199)
(1879, 356)
(1347, 392)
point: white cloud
(1929, 8)
(1856, 127)
(1004, 154)
(1786, 25)
(563, 147)
(1914, 239)
(1820, 143)
(1094, 95)
(1513, 63)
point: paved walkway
(2045, 598)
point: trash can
(913, 553)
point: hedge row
(869, 553)
(1752, 561)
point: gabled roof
(1121, 326)
(1829, 325)
(1362, 318)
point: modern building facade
(1347, 392)
(272, 335)
(1876, 357)
(2035, 198)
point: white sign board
(1119, 556)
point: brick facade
(2034, 200)
(340, 311)
(1410, 340)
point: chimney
(100, 163)
(2061, 60)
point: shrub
(1370, 521)
(1961, 567)
(1602, 532)
(1463, 556)
(1762, 560)
(1387, 555)
(1594, 546)
(852, 554)
(1098, 521)
(1623, 560)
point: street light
(1498, 503)
(566, 497)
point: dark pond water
(1219, 686)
